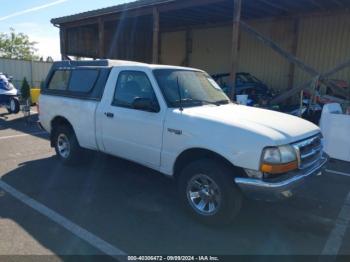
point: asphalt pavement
(112, 206)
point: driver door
(131, 133)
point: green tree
(17, 46)
(25, 90)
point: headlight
(276, 160)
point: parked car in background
(246, 84)
(179, 122)
(9, 94)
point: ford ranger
(179, 122)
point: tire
(13, 106)
(220, 192)
(66, 146)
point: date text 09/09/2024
(173, 258)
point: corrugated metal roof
(219, 9)
(109, 10)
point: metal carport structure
(133, 31)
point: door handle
(109, 114)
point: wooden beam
(160, 47)
(165, 7)
(306, 84)
(338, 3)
(176, 5)
(85, 22)
(294, 51)
(284, 53)
(260, 8)
(155, 52)
(129, 14)
(101, 38)
(258, 20)
(234, 49)
(63, 43)
(189, 42)
(317, 4)
(275, 6)
(273, 45)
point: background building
(204, 34)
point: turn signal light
(278, 168)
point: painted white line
(22, 135)
(80, 232)
(335, 239)
(337, 172)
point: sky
(32, 17)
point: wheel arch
(192, 154)
(58, 121)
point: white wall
(35, 72)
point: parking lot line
(22, 135)
(80, 232)
(335, 239)
(337, 172)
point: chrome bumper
(272, 191)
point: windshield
(193, 87)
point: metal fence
(34, 71)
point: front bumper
(284, 188)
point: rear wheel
(66, 145)
(208, 192)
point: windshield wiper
(223, 102)
(185, 100)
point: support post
(101, 38)
(155, 49)
(235, 41)
(188, 46)
(63, 43)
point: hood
(279, 127)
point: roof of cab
(112, 63)
(95, 63)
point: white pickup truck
(178, 121)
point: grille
(309, 151)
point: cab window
(132, 85)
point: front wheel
(208, 192)
(13, 106)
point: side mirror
(145, 104)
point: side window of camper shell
(59, 80)
(74, 81)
